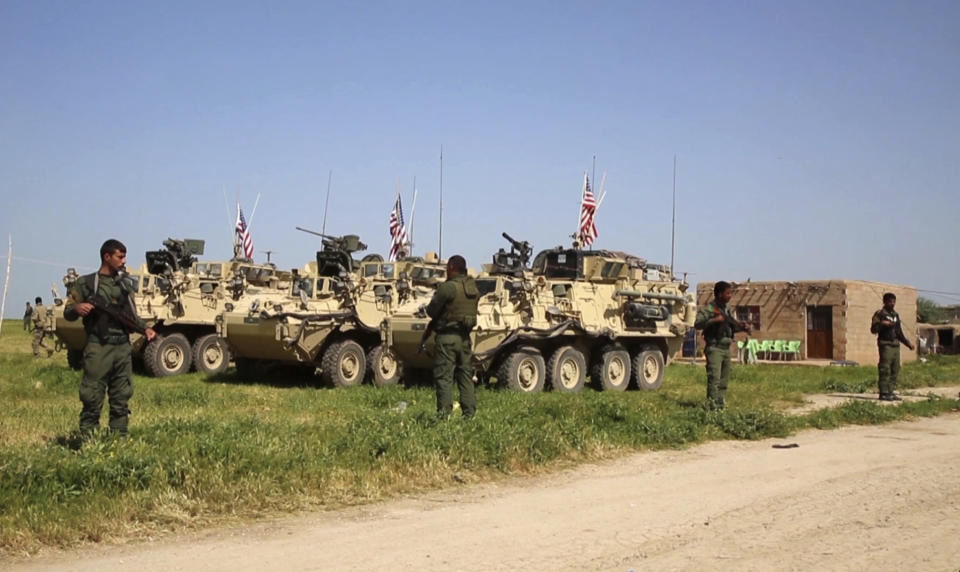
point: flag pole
(6, 280)
(253, 213)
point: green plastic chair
(777, 348)
(792, 348)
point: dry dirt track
(858, 498)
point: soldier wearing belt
(718, 327)
(107, 364)
(887, 326)
(39, 319)
(453, 310)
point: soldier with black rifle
(103, 300)
(889, 330)
(718, 327)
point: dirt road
(858, 498)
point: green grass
(209, 451)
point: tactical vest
(102, 324)
(887, 335)
(460, 314)
(721, 333)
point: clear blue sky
(815, 139)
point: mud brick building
(829, 318)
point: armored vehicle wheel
(167, 355)
(210, 355)
(648, 368)
(611, 369)
(75, 359)
(567, 370)
(344, 364)
(523, 370)
(385, 368)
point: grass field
(205, 451)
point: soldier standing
(107, 364)
(27, 317)
(887, 326)
(718, 327)
(39, 330)
(453, 310)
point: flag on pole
(243, 234)
(398, 232)
(588, 211)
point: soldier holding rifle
(103, 300)
(718, 327)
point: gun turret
(516, 260)
(177, 255)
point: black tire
(611, 369)
(75, 359)
(210, 355)
(567, 370)
(648, 369)
(344, 364)
(385, 368)
(167, 355)
(523, 370)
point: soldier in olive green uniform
(39, 328)
(886, 324)
(28, 317)
(453, 310)
(107, 362)
(718, 327)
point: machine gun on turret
(336, 256)
(177, 255)
(514, 262)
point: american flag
(243, 234)
(588, 211)
(398, 232)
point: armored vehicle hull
(576, 316)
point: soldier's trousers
(38, 342)
(888, 368)
(453, 364)
(718, 374)
(106, 372)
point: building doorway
(820, 332)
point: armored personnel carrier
(572, 313)
(330, 321)
(180, 298)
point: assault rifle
(120, 313)
(426, 336)
(735, 324)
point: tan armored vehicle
(180, 298)
(574, 312)
(331, 320)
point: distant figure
(107, 364)
(27, 317)
(453, 310)
(718, 327)
(39, 330)
(888, 327)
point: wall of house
(865, 298)
(783, 312)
